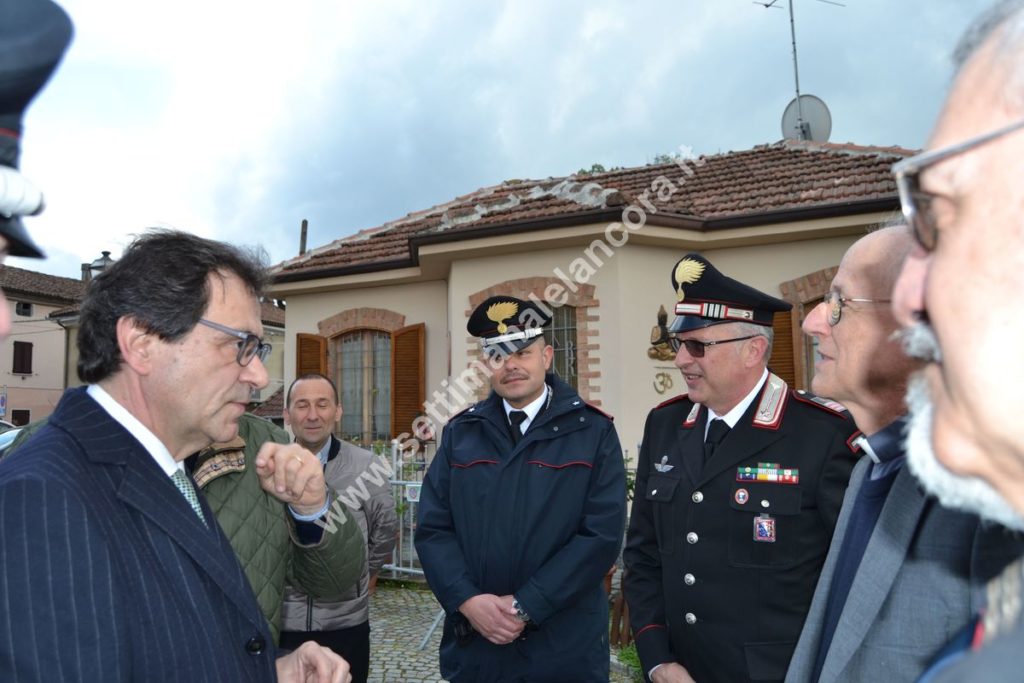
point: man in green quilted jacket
(273, 548)
(268, 541)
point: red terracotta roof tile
(272, 408)
(59, 290)
(768, 178)
(271, 314)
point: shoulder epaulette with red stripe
(598, 411)
(674, 399)
(826, 404)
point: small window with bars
(560, 332)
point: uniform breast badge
(764, 529)
(770, 472)
(663, 466)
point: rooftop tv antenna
(814, 122)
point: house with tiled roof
(33, 357)
(383, 311)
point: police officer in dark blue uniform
(521, 515)
(738, 488)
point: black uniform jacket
(542, 520)
(722, 559)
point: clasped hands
(493, 617)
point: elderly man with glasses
(957, 295)
(113, 567)
(738, 488)
(875, 616)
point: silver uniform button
(689, 579)
(765, 503)
(691, 538)
(697, 496)
(691, 618)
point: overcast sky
(236, 120)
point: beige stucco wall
(421, 302)
(39, 391)
(630, 286)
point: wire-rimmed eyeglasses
(916, 202)
(249, 345)
(696, 348)
(834, 302)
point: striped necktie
(184, 484)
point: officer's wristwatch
(521, 614)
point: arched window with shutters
(380, 373)
(363, 375)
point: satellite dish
(806, 118)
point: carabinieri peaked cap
(506, 324)
(33, 37)
(705, 297)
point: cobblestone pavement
(399, 618)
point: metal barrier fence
(406, 480)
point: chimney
(302, 237)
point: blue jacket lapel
(145, 487)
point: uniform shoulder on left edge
(826, 405)
(596, 410)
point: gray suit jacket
(917, 585)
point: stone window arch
(554, 293)
(805, 293)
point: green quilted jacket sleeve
(262, 532)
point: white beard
(954, 491)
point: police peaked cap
(705, 297)
(505, 324)
(33, 37)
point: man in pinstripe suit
(112, 568)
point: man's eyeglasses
(696, 348)
(249, 345)
(916, 202)
(834, 303)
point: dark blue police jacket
(542, 520)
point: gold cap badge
(502, 311)
(687, 272)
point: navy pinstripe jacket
(106, 573)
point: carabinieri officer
(521, 515)
(738, 488)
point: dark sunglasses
(696, 348)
